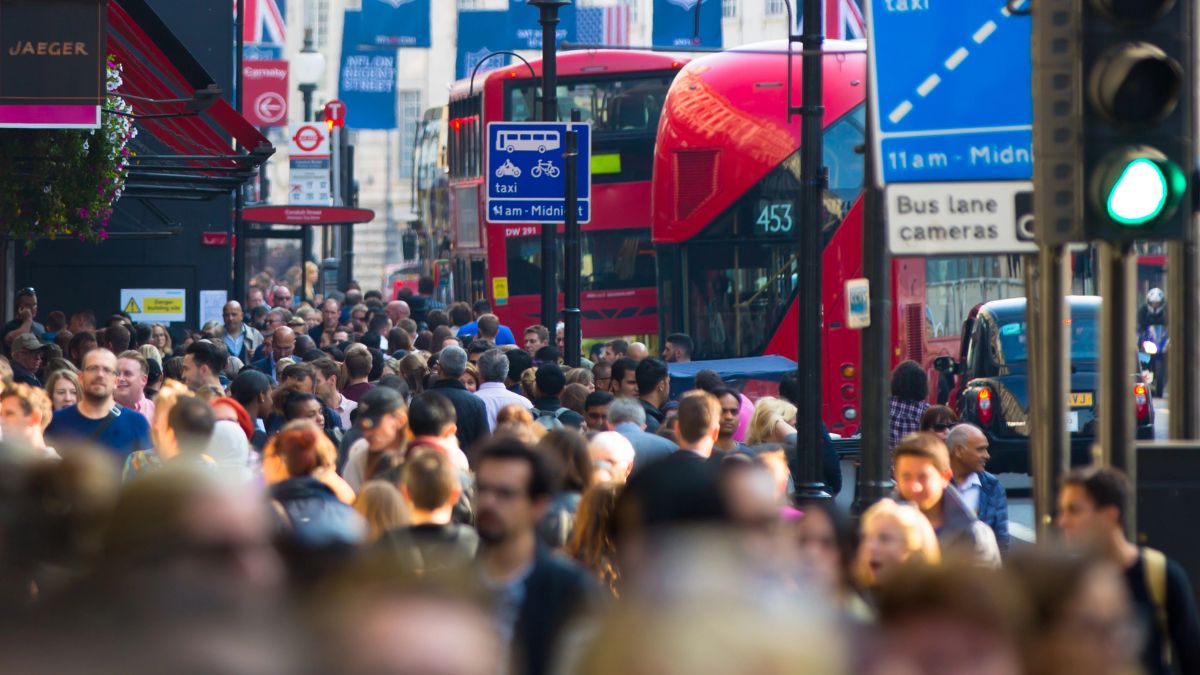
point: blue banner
(675, 23)
(366, 79)
(479, 34)
(395, 23)
(526, 33)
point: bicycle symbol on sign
(510, 169)
(544, 166)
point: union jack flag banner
(265, 22)
(843, 19)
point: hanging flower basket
(63, 183)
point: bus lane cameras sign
(525, 172)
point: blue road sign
(952, 88)
(525, 181)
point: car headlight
(1149, 347)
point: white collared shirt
(970, 490)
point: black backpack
(314, 516)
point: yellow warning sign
(154, 304)
(163, 305)
(500, 290)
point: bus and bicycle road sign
(525, 168)
(952, 100)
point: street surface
(1020, 487)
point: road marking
(929, 84)
(900, 111)
(957, 58)
(1019, 531)
(983, 33)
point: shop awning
(187, 146)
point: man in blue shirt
(96, 417)
(503, 334)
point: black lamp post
(549, 22)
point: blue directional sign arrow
(952, 89)
(525, 182)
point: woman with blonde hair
(382, 506)
(591, 543)
(415, 371)
(160, 338)
(893, 534)
(518, 421)
(25, 413)
(772, 421)
(300, 437)
(470, 378)
(63, 387)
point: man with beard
(534, 593)
(96, 417)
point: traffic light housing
(1114, 143)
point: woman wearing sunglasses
(939, 419)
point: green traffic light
(1139, 194)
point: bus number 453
(775, 218)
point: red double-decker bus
(726, 175)
(621, 93)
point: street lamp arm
(471, 89)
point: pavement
(1020, 487)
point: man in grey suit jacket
(627, 417)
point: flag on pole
(843, 19)
(605, 25)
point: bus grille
(914, 320)
(695, 180)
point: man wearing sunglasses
(27, 307)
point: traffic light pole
(572, 316)
(548, 19)
(1118, 316)
(1183, 312)
(1047, 278)
(810, 440)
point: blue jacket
(993, 508)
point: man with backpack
(1091, 510)
(548, 409)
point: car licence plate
(1081, 399)
(1073, 421)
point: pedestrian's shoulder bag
(1155, 562)
(551, 420)
(104, 425)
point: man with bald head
(97, 418)
(979, 490)
(241, 339)
(397, 311)
(638, 351)
(283, 345)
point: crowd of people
(369, 486)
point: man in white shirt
(326, 371)
(383, 418)
(493, 369)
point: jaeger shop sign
(52, 63)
